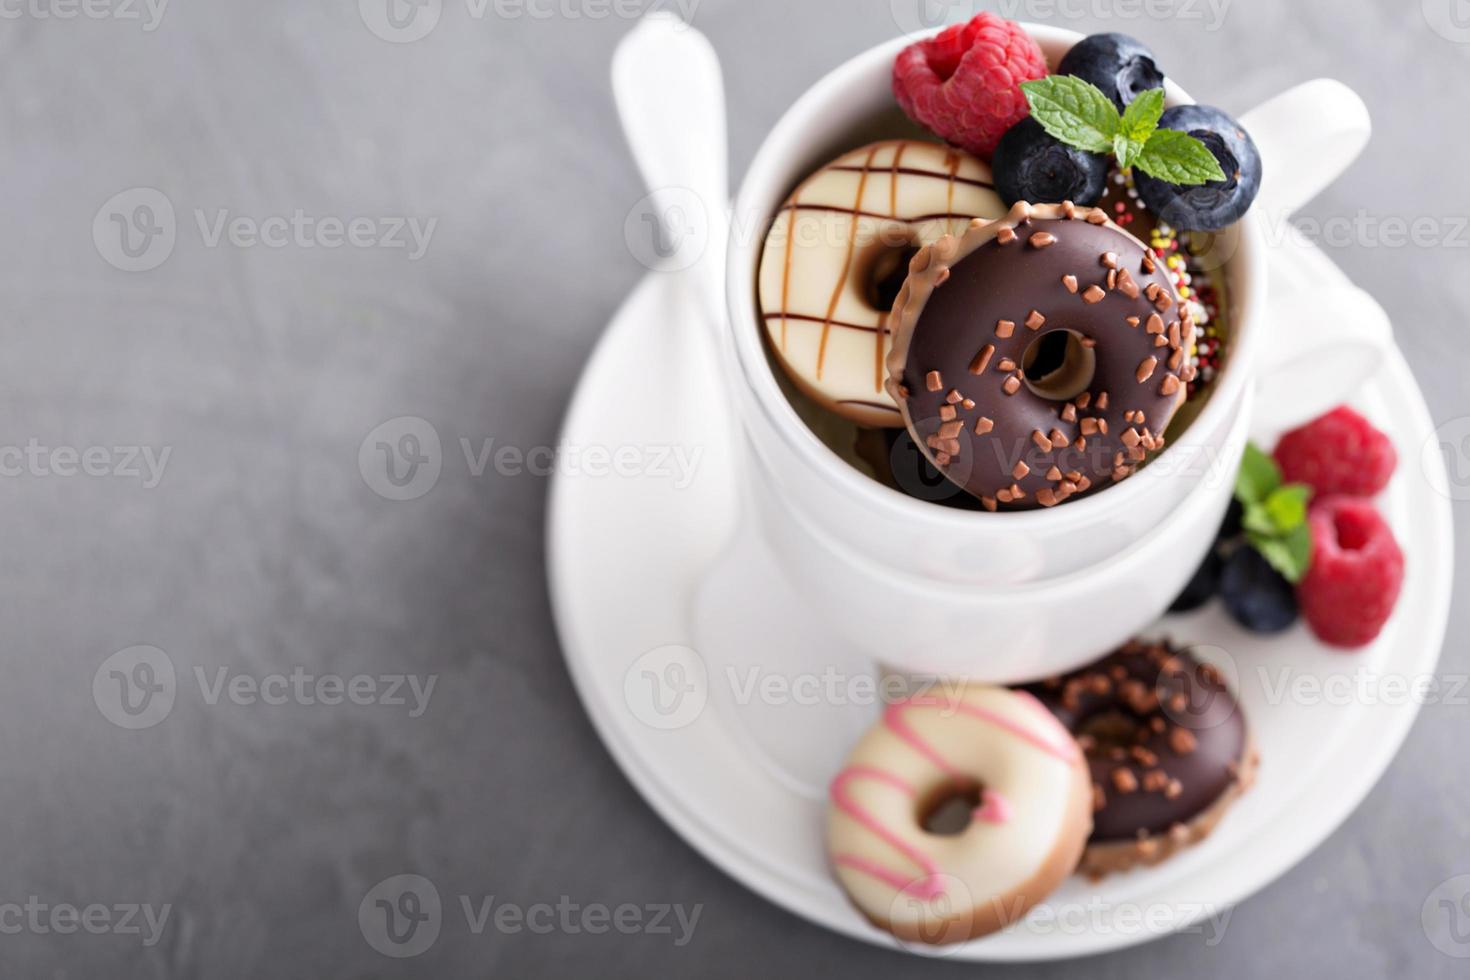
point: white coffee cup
(1015, 596)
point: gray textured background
(263, 549)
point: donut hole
(883, 269)
(949, 809)
(1057, 366)
(1110, 729)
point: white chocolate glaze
(1024, 838)
(844, 222)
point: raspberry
(1356, 573)
(965, 83)
(1340, 453)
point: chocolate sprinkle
(979, 364)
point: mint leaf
(1126, 150)
(1074, 111)
(1299, 543)
(1142, 116)
(1287, 506)
(1275, 516)
(1179, 158)
(1257, 520)
(1139, 121)
(1290, 555)
(1259, 476)
(1279, 556)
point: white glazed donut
(839, 249)
(1017, 770)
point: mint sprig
(1178, 158)
(1275, 514)
(1079, 114)
(1139, 123)
(1074, 111)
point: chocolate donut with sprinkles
(1038, 357)
(1167, 747)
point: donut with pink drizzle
(957, 813)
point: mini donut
(1167, 747)
(837, 253)
(1039, 357)
(998, 761)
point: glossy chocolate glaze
(1150, 708)
(971, 309)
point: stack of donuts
(1047, 367)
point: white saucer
(626, 556)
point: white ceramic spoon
(671, 100)
(670, 97)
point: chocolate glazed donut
(1039, 356)
(1167, 746)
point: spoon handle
(671, 101)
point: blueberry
(1118, 64)
(1032, 166)
(1257, 595)
(1202, 588)
(1220, 203)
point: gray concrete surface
(257, 547)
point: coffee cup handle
(1307, 137)
(1322, 346)
(1322, 343)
